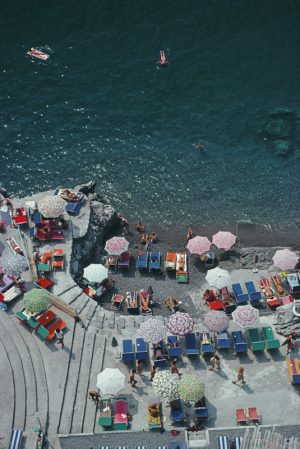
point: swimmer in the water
(163, 60)
(201, 147)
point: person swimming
(163, 60)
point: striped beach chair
(223, 442)
(16, 439)
(238, 441)
(162, 447)
(104, 447)
(141, 447)
(122, 447)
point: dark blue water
(101, 109)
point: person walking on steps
(60, 338)
(240, 376)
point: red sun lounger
(240, 415)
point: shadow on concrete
(276, 356)
(261, 357)
(244, 359)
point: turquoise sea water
(101, 109)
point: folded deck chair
(240, 415)
(239, 343)
(253, 414)
(224, 294)
(256, 343)
(223, 341)
(16, 439)
(223, 442)
(121, 418)
(252, 292)
(141, 352)
(170, 262)
(239, 295)
(124, 260)
(271, 342)
(173, 350)
(207, 346)
(154, 260)
(128, 353)
(176, 412)
(142, 261)
(190, 344)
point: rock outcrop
(286, 321)
(103, 219)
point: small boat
(33, 52)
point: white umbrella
(152, 330)
(246, 316)
(110, 381)
(165, 385)
(218, 278)
(51, 206)
(285, 259)
(224, 240)
(95, 272)
(14, 265)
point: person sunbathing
(268, 291)
(140, 227)
(131, 300)
(209, 296)
(205, 339)
(180, 263)
(144, 239)
(279, 287)
(14, 246)
(145, 302)
(154, 237)
(172, 303)
(163, 60)
(154, 410)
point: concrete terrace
(42, 382)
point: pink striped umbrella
(198, 245)
(246, 316)
(116, 246)
(180, 324)
(224, 240)
(216, 321)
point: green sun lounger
(256, 343)
(105, 419)
(33, 322)
(43, 332)
(271, 342)
(21, 317)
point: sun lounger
(206, 343)
(170, 262)
(16, 249)
(239, 343)
(144, 300)
(223, 442)
(256, 343)
(132, 302)
(190, 344)
(294, 370)
(270, 341)
(173, 350)
(141, 352)
(142, 261)
(20, 216)
(117, 301)
(215, 305)
(154, 260)
(58, 259)
(293, 283)
(176, 413)
(124, 260)
(121, 418)
(159, 355)
(16, 439)
(253, 414)
(44, 283)
(7, 282)
(21, 317)
(74, 208)
(154, 422)
(181, 268)
(224, 294)
(57, 235)
(238, 441)
(239, 295)
(59, 324)
(112, 262)
(105, 418)
(33, 322)
(240, 415)
(128, 353)
(277, 284)
(201, 411)
(252, 292)
(11, 294)
(223, 341)
(269, 293)
(44, 267)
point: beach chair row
(136, 302)
(44, 324)
(149, 261)
(132, 352)
(119, 420)
(249, 416)
(51, 260)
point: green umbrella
(190, 388)
(36, 300)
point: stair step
(69, 296)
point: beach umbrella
(95, 272)
(165, 385)
(246, 316)
(218, 278)
(285, 259)
(180, 324)
(14, 265)
(191, 388)
(198, 245)
(116, 246)
(110, 381)
(51, 206)
(36, 300)
(216, 321)
(152, 330)
(223, 240)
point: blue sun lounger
(254, 294)
(176, 413)
(190, 344)
(201, 411)
(223, 442)
(128, 354)
(154, 261)
(223, 341)
(174, 350)
(142, 261)
(141, 352)
(74, 208)
(207, 348)
(239, 343)
(240, 296)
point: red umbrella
(224, 240)
(198, 245)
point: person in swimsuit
(163, 60)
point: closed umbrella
(223, 240)
(95, 272)
(198, 245)
(216, 321)
(285, 259)
(180, 324)
(14, 265)
(110, 381)
(116, 246)
(218, 278)
(152, 330)
(51, 206)
(246, 316)
(165, 385)
(36, 300)
(191, 388)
